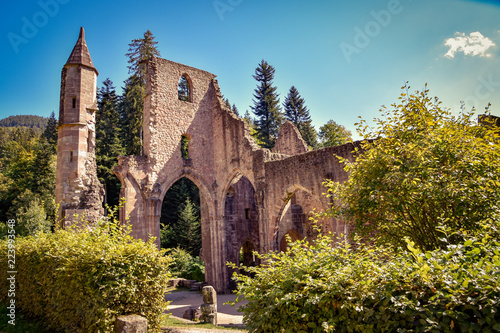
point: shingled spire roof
(80, 54)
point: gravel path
(181, 300)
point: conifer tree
(139, 50)
(248, 118)
(50, 132)
(108, 142)
(297, 113)
(235, 110)
(266, 105)
(134, 91)
(131, 110)
(180, 217)
(189, 227)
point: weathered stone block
(187, 283)
(193, 313)
(208, 308)
(131, 324)
(209, 313)
(209, 295)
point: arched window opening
(183, 89)
(185, 147)
(247, 257)
(241, 223)
(230, 192)
(294, 236)
(180, 217)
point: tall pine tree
(180, 217)
(266, 105)
(297, 112)
(132, 106)
(139, 50)
(50, 132)
(108, 141)
(131, 110)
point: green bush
(427, 169)
(319, 288)
(184, 265)
(81, 280)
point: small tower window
(71, 156)
(247, 213)
(74, 102)
(89, 141)
(185, 147)
(183, 89)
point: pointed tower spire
(78, 190)
(80, 54)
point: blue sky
(346, 58)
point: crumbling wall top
(290, 142)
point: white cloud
(475, 44)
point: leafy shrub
(184, 265)
(426, 170)
(319, 288)
(81, 280)
(32, 219)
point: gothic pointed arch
(299, 205)
(241, 222)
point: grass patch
(23, 324)
(168, 321)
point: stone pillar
(209, 306)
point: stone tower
(78, 190)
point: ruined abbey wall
(250, 197)
(246, 192)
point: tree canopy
(24, 121)
(427, 173)
(108, 141)
(132, 105)
(332, 134)
(141, 49)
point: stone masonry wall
(78, 191)
(290, 142)
(221, 153)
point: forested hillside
(31, 121)
(27, 178)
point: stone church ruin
(250, 197)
